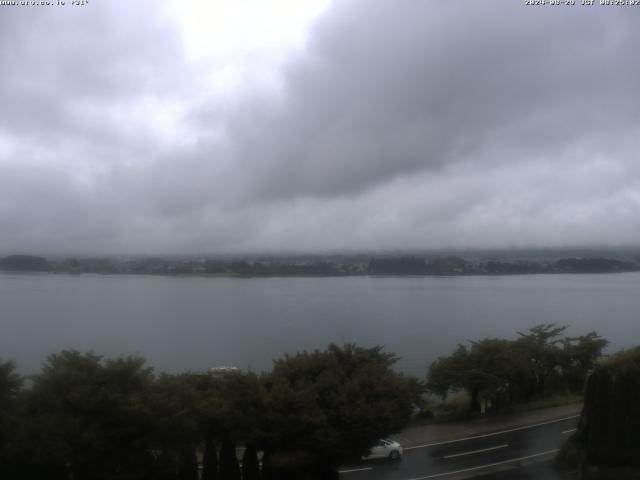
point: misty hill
(398, 266)
(594, 265)
(419, 266)
(24, 263)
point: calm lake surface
(192, 323)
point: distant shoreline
(354, 266)
(362, 275)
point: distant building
(223, 371)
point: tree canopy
(92, 417)
(503, 371)
(329, 405)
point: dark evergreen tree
(267, 471)
(188, 464)
(10, 388)
(250, 465)
(229, 467)
(165, 467)
(210, 459)
(610, 420)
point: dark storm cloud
(399, 125)
(389, 89)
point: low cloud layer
(395, 125)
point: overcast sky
(222, 126)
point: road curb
(416, 436)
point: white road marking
(515, 429)
(569, 431)
(476, 451)
(488, 465)
(353, 470)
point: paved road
(514, 452)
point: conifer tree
(210, 459)
(250, 466)
(229, 468)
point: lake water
(193, 323)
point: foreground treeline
(607, 442)
(84, 417)
(500, 372)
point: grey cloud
(387, 89)
(400, 125)
(64, 60)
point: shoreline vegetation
(88, 417)
(93, 418)
(335, 265)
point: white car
(385, 448)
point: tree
(188, 466)
(250, 465)
(240, 407)
(448, 373)
(10, 389)
(580, 356)
(503, 371)
(607, 434)
(543, 355)
(177, 429)
(89, 416)
(228, 408)
(229, 467)
(488, 369)
(210, 458)
(326, 406)
(10, 384)
(96, 418)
